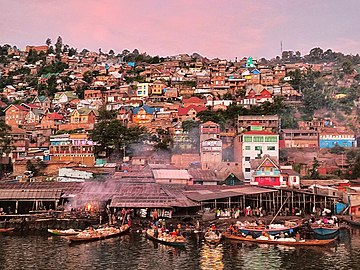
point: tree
(87, 76)
(347, 67)
(313, 172)
(35, 167)
(58, 45)
(112, 136)
(5, 138)
(164, 140)
(48, 41)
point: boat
(98, 234)
(290, 227)
(69, 232)
(4, 230)
(166, 239)
(212, 238)
(281, 241)
(324, 229)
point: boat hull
(324, 231)
(62, 233)
(258, 231)
(169, 243)
(286, 243)
(4, 230)
(77, 239)
(212, 240)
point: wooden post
(304, 198)
(16, 207)
(292, 201)
(215, 204)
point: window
(258, 148)
(258, 139)
(271, 139)
(247, 139)
(247, 169)
(271, 148)
(247, 158)
(247, 147)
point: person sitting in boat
(264, 233)
(156, 232)
(213, 228)
(297, 237)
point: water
(134, 251)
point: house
(210, 153)
(20, 140)
(61, 98)
(94, 95)
(15, 115)
(254, 144)
(330, 139)
(157, 88)
(266, 172)
(51, 120)
(75, 148)
(143, 115)
(300, 138)
(289, 176)
(190, 112)
(163, 176)
(42, 101)
(256, 95)
(143, 89)
(268, 122)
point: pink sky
(213, 28)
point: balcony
(262, 173)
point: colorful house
(266, 172)
(143, 115)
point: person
(297, 237)
(266, 235)
(156, 232)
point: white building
(255, 144)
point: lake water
(134, 251)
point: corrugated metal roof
(29, 194)
(205, 195)
(171, 174)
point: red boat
(3, 230)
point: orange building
(15, 115)
(75, 148)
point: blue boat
(290, 228)
(324, 229)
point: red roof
(194, 100)
(30, 105)
(19, 107)
(55, 116)
(184, 111)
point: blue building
(330, 140)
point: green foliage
(189, 125)
(57, 67)
(5, 138)
(313, 172)
(164, 140)
(105, 115)
(35, 166)
(111, 136)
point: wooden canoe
(258, 230)
(308, 242)
(179, 241)
(324, 229)
(90, 236)
(212, 238)
(4, 230)
(63, 232)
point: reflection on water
(211, 257)
(134, 251)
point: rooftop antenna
(281, 48)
